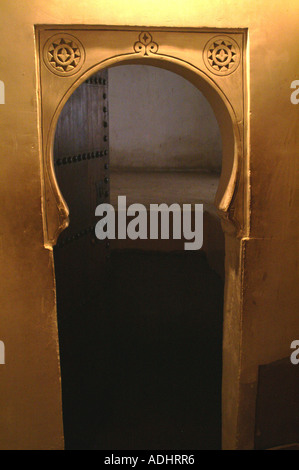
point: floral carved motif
(146, 45)
(64, 55)
(222, 55)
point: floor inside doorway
(141, 360)
(168, 186)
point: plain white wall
(157, 119)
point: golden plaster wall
(267, 276)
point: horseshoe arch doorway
(196, 56)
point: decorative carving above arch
(146, 45)
(64, 55)
(222, 55)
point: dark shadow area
(141, 357)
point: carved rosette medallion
(222, 55)
(64, 55)
(145, 45)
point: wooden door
(81, 159)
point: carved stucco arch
(55, 210)
(182, 52)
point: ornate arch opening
(215, 62)
(227, 101)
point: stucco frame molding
(208, 58)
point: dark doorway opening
(140, 326)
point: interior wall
(159, 120)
